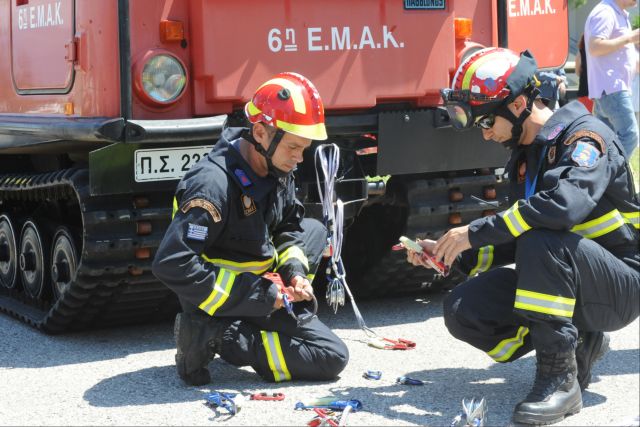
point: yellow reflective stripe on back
(256, 267)
(221, 291)
(485, 259)
(292, 252)
(600, 226)
(505, 348)
(544, 303)
(275, 357)
(514, 221)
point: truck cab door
(542, 26)
(42, 48)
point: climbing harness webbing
(327, 162)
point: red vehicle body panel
(230, 47)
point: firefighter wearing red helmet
(571, 228)
(236, 218)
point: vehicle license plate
(163, 164)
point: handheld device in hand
(407, 243)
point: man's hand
(449, 246)
(417, 259)
(302, 289)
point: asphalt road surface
(127, 377)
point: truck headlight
(160, 78)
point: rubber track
(429, 210)
(111, 286)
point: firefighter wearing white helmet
(571, 228)
(236, 218)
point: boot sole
(539, 419)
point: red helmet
(485, 81)
(289, 102)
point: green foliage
(575, 4)
(634, 162)
(635, 22)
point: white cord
(328, 157)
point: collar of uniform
(230, 159)
(558, 123)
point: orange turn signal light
(171, 31)
(463, 27)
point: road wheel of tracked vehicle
(8, 254)
(64, 262)
(34, 260)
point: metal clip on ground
(323, 418)
(267, 396)
(474, 414)
(223, 400)
(389, 344)
(372, 375)
(409, 381)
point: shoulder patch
(551, 157)
(555, 132)
(587, 134)
(242, 177)
(204, 204)
(197, 232)
(585, 155)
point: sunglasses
(486, 122)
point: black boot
(555, 393)
(591, 347)
(198, 338)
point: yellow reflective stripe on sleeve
(485, 259)
(544, 303)
(516, 224)
(632, 218)
(600, 226)
(292, 252)
(221, 291)
(505, 348)
(256, 267)
(275, 358)
(175, 207)
(311, 277)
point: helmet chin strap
(268, 154)
(517, 122)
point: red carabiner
(399, 344)
(267, 396)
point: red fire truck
(105, 104)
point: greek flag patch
(197, 232)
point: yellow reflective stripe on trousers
(505, 348)
(600, 226)
(544, 303)
(256, 267)
(220, 293)
(516, 224)
(277, 364)
(632, 218)
(485, 259)
(292, 252)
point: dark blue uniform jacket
(230, 226)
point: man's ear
(519, 105)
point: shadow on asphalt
(412, 404)
(105, 344)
